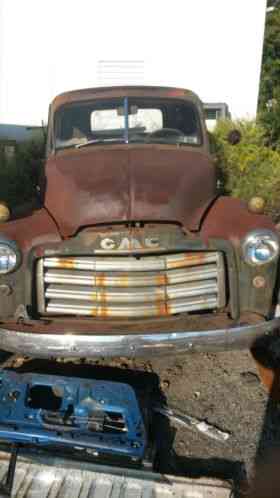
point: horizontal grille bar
(144, 310)
(131, 287)
(132, 264)
(132, 295)
(76, 277)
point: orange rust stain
(94, 311)
(66, 263)
(269, 375)
(168, 309)
(159, 295)
(102, 311)
(271, 380)
(162, 309)
(161, 279)
(100, 279)
(102, 296)
(187, 260)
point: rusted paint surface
(99, 279)
(129, 182)
(163, 236)
(122, 91)
(229, 219)
(170, 323)
(270, 379)
(163, 309)
(102, 184)
(162, 279)
(30, 231)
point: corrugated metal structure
(68, 480)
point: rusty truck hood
(122, 183)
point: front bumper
(71, 345)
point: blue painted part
(126, 120)
(96, 416)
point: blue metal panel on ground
(97, 417)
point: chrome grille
(129, 286)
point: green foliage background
(19, 175)
(249, 168)
(269, 96)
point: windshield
(138, 120)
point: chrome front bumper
(71, 345)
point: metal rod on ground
(193, 423)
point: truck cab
(132, 251)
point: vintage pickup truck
(132, 251)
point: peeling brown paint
(157, 182)
(128, 183)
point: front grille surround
(128, 286)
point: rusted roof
(122, 91)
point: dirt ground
(224, 389)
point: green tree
(269, 98)
(19, 175)
(273, 3)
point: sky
(212, 47)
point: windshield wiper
(99, 141)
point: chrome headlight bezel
(263, 242)
(11, 248)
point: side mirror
(234, 137)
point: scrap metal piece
(101, 419)
(193, 423)
(7, 486)
(54, 477)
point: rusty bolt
(256, 205)
(165, 384)
(4, 212)
(259, 282)
(5, 290)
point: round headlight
(10, 257)
(260, 247)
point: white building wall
(47, 47)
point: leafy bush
(18, 175)
(249, 168)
